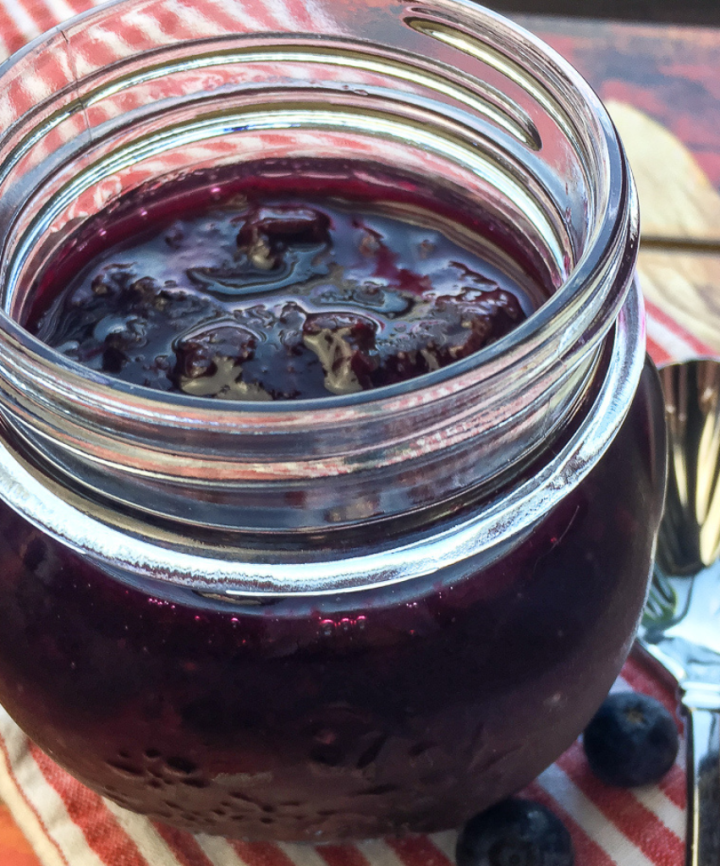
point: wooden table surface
(662, 86)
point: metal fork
(680, 628)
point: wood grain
(685, 286)
(672, 74)
(679, 265)
(662, 88)
(677, 200)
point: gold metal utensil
(681, 624)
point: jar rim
(90, 424)
(569, 299)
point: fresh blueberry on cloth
(515, 833)
(631, 741)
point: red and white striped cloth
(667, 341)
(69, 825)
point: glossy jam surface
(406, 707)
(260, 297)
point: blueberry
(515, 833)
(631, 741)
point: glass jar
(352, 616)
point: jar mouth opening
(450, 94)
(568, 306)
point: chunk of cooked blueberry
(515, 832)
(631, 741)
(269, 230)
(209, 363)
(345, 346)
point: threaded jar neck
(462, 100)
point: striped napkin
(69, 825)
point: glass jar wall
(358, 614)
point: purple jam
(408, 707)
(395, 708)
(278, 298)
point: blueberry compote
(316, 717)
(363, 714)
(266, 297)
